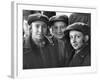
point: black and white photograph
(52, 40)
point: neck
(38, 42)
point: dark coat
(39, 57)
(82, 58)
(63, 48)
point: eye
(78, 36)
(44, 26)
(37, 25)
(55, 27)
(62, 27)
(71, 37)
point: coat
(82, 58)
(39, 57)
(63, 48)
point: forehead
(38, 22)
(75, 32)
(59, 23)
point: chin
(76, 48)
(39, 38)
(59, 37)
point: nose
(59, 30)
(74, 40)
(40, 29)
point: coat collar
(29, 43)
(83, 52)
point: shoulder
(87, 61)
(86, 56)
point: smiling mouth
(59, 34)
(75, 45)
(39, 35)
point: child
(58, 25)
(79, 38)
(38, 52)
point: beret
(79, 26)
(80, 17)
(63, 18)
(37, 17)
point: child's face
(39, 29)
(58, 29)
(76, 39)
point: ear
(52, 27)
(30, 28)
(50, 30)
(86, 38)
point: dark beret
(63, 18)
(37, 17)
(80, 17)
(79, 26)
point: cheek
(34, 30)
(71, 41)
(63, 29)
(54, 30)
(44, 30)
(80, 42)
